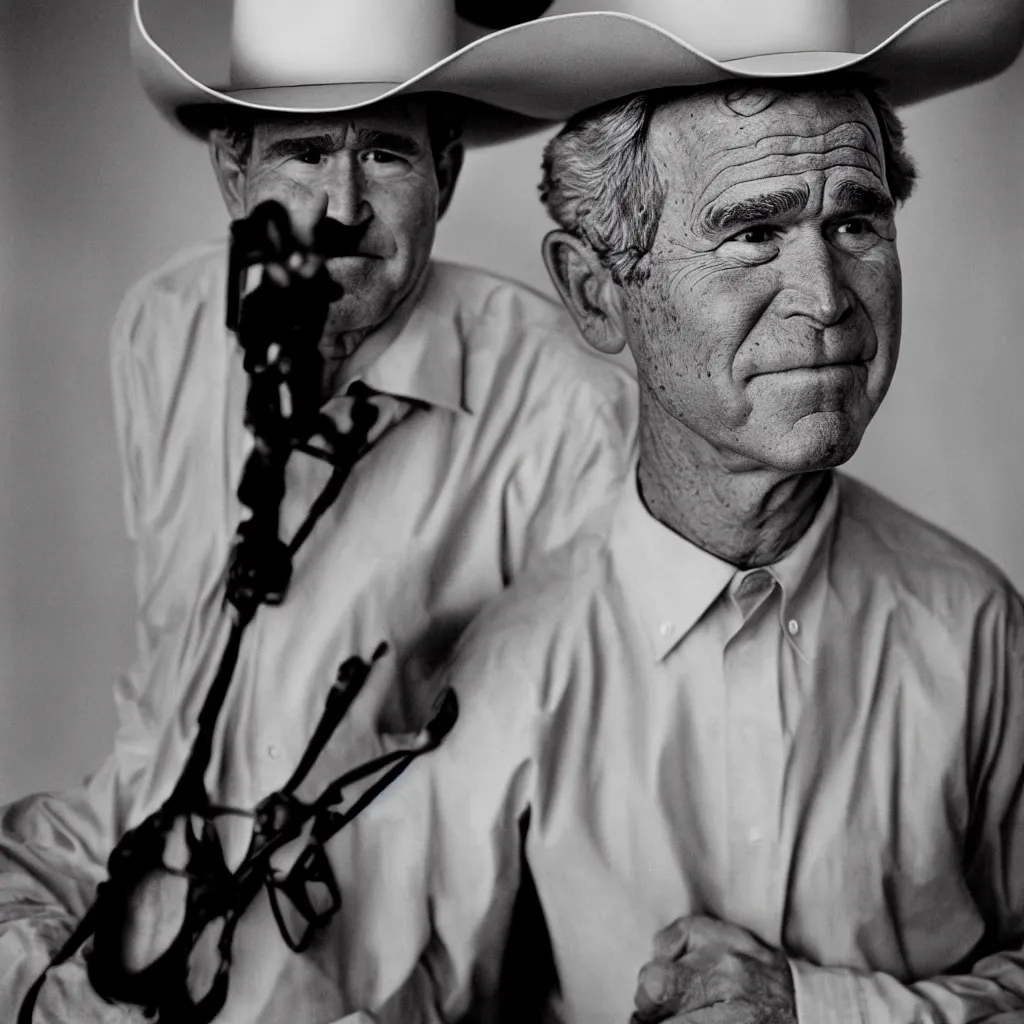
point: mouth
(342, 264)
(811, 369)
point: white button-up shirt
(827, 751)
(498, 436)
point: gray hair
(601, 185)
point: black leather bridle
(278, 326)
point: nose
(815, 286)
(346, 192)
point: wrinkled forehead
(404, 115)
(740, 137)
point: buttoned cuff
(825, 995)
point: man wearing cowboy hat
(496, 436)
(758, 733)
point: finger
(698, 932)
(665, 988)
(655, 992)
(683, 935)
(720, 1013)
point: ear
(587, 289)
(230, 174)
(447, 167)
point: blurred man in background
(494, 435)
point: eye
(381, 156)
(380, 164)
(309, 156)
(758, 235)
(857, 226)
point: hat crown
(731, 29)
(311, 42)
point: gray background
(95, 190)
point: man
(762, 730)
(483, 403)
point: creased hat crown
(315, 42)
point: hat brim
(541, 72)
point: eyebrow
(374, 138)
(366, 138)
(766, 206)
(301, 144)
(853, 197)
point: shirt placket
(284, 708)
(754, 756)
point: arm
(435, 860)
(179, 439)
(54, 847)
(480, 791)
(712, 971)
(53, 853)
(991, 989)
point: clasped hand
(707, 972)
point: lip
(813, 368)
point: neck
(347, 350)
(336, 352)
(747, 516)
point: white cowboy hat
(540, 62)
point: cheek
(657, 335)
(694, 333)
(879, 286)
(291, 194)
(410, 214)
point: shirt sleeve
(577, 463)
(992, 990)
(137, 423)
(53, 854)
(471, 795)
(169, 394)
(54, 847)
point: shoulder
(171, 354)
(190, 284)
(920, 561)
(194, 274)
(522, 343)
(518, 654)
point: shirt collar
(420, 356)
(672, 583)
(669, 581)
(801, 572)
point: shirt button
(273, 752)
(755, 835)
(667, 628)
(793, 626)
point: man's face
(374, 169)
(770, 323)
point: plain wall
(95, 189)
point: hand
(708, 972)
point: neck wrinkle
(749, 518)
(350, 352)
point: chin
(357, 310)
(814, 444)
